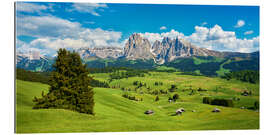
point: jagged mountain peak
(170, 49)
(166, 40)
(101, 52)
(135, 35)
(137, 47)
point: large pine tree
(69, 85)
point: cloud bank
(29, 7)
(214, 38)
(53, 33)
(89, 8)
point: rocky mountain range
(161, 52)
(169, 49)
(101, 52)
(136, 48)
(33, 61)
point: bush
(256, 105)
(97, 83)
(200, 89)
(206, 100)
(163, 92)
(219, 102)
(157, 98)
(175, 97)
(135, 83)
(173, 88)
(125, 95)
(222, 102)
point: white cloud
(29, 7)
(214, 38)
(163, 28)
(152, 37)
(99, 34)
(248, 32)
(53, 33)
(204, 23)
(24, 47)
(217, 32)
(46, 26)
(55, 44)
(240, 23)
(89, 7)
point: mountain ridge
(137, 48)
(167, 50)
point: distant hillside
(33, 61)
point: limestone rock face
(170, 49)
(101, 52)
(137, 47)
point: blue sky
(46, 27)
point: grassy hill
(116, 113)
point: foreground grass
(115, 113)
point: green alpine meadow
(113, 112)
(112, 67)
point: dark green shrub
(173, 88)
(219, 102)
(155, 92)
(206, 100)
(192, 92)
(157, 98)
(175, 97)
(125, 95)
(163, 92)
(97, 83)
(222, 102)
(200, 89)
(132, 97)
(135, 83)
(256, 105)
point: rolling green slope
(115, 113)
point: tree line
(44, 77)
(250, 76)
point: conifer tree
(157, 98)
(69, 85)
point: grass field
(116, 113)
